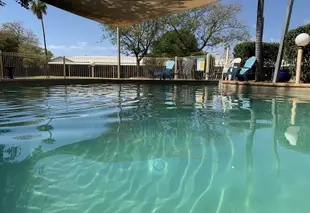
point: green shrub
(246, 50)
(290, 52)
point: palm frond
(38, 8)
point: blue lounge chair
(231, 72)
(249, 64)
(167, 72)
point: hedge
(246, 50)
(290, 52)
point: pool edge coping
(264, 84)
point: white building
(97, 60)
(110, 60)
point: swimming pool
(148, 148)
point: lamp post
(92, 66)
(301, 41)
(118, 54)
(285, 29)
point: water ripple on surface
(147, 148)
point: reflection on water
(148, 148)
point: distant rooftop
(108, 60)
(120, 13)
(98, 60)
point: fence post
(64, 63)
(227, 57)
(92, 70)
(69, 67)
(226, 66)
(1, 66)
(176, 67)
(208, 64)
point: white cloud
(81, 45)
(75, 47)
(56, 47)
(105, 48)
(274, 40)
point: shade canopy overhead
(120, 13)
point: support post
(299, 63)
(92, 71)
(118, 54)
(64, 68)
(226, 67)
(176, 67)
(69, 70)
(227, 58)
(208, 64)
(1, 66)
(285, 29)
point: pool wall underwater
(51, 81)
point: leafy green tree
(135, 39)
(39, 9)
(15, 38)
(18, 32)
(290, 52)
(8, 42)
(170, 44)
(214, 24)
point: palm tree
(259, 39)
(39, 9)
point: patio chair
(187, 68)
(231, 71)
(249, 64)
(166, 72)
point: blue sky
(68, 34)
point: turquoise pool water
(148, 148)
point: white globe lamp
(301, 41)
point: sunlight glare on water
(152, 148)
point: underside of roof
(120, 13)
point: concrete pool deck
(85, 80)
(264, 84)
(266, 89)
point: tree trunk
(259, 40)
(44, 40)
